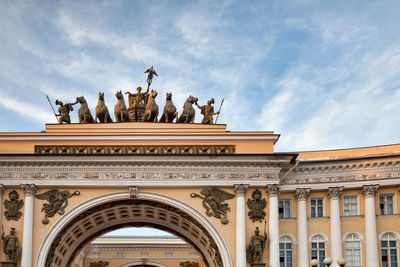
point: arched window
(389, 250)
(353, 250)
(318, 249)
(285, 251)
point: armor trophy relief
(142, 107)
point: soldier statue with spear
(63, 111)
(208, 111)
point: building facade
(203, 184)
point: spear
(222, 102)
(48, 99)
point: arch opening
(73, 232)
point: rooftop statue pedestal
(8, 264)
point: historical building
(227, 195)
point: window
(284, 208)
(389, 250)
(386, 204)
(350, 205)
(318, 249)
(353, 250)
(285, 251)
(317, 207)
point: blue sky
(323, 74)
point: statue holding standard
(207, 111)
(63, 111)
(255, 249)
(150, 73)
(10, 245)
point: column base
(8, 264)
(258, 265)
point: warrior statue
(137, 104)
(63, 111)
(255, 249)
(207, 111)
(10, 245)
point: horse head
(192, 99)
(118, 94)
(81, 99)
(101, 96)
(153, 94)
(169, 96)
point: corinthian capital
(1, 189)
(302, 193)
(369, 190)
(335, 192)
(273, 190)
(241, 189)
(29, 189)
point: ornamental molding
(350, 170)
(142, 247)
(29, 189)
(240, 189)
(302, 193)
(144, 168)
(334, 193)
(369, 190)
(273, 190)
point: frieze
(136, 150)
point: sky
(323, 74)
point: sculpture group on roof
(142, 107)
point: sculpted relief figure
(13, 206)
(169, 113)
(84, 112)
(63, 111)
(102, 113)
(137, 103)
(212, 202)
(57, 202)
(120, 111)
(188, 112)
(207, 111)
(256, 206)
(99, 264)
(255, 249)
(188, 264)
(10, 245)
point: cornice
(351, 170)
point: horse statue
(151, 111)
(120, 111)
(84, 112)
(169, 113)
(188, 112)
(102, 111)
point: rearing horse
(188, 112)
(151, 111)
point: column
(369, 192)
(302, 230)
(334, 194)
(240, 190)
(273, 192)
(26, 258)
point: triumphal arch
(228, 195)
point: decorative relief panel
(135, 150)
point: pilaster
(240, 190)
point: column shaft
(336, 233)
(26, 258)
(302, 230)
(370, 226)
(273, 191)
(241, 225)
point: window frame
(321, 239)
(357, 205)
(289, 216)
(385, 203)
(388, 248)
(352, 249)
(316, 207)
(286, 240)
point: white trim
(388, 232)
(130, 264)
(289, 235)
(70, 215)
(357, 233)
(315, 234)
